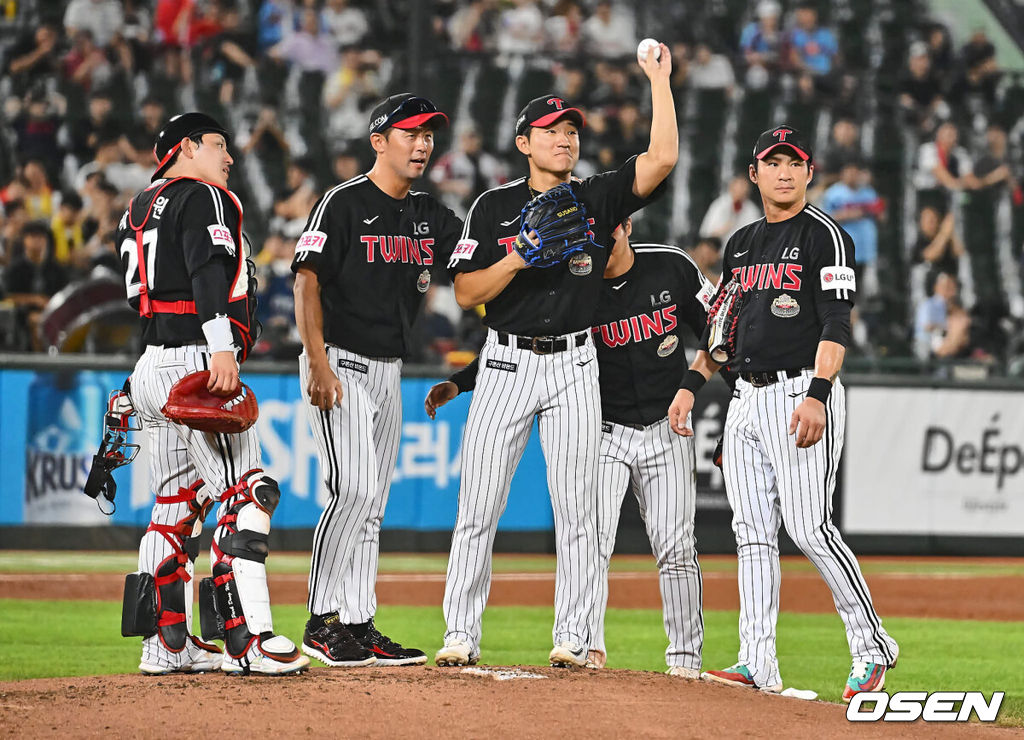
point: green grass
(76, 638)
(56, 561)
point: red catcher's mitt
(191, 404)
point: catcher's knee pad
(239, 552)
(173, 572)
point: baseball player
(361, 268)
(784, 428)
(650, 291)
(187, 272)
(538, 361)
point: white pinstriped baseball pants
(513, 387)
(357, 446)
(659, 467)
(179, 456)
(769, 479)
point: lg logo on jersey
(908, 706)
(421, 228)
(661, 299)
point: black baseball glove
(560, 225)
(723, 318)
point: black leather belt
(542, 345)
(177, 345)
(760, 380)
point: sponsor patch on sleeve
(838, 278)
(705, 293)
(221, 237)
(463, 251)
(311, 241)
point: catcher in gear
(187, 271)
(539, 360)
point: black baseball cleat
(386, 650)
(327, 640)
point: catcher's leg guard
(239, 553)
(174, 546)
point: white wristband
(218, 334)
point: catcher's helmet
(183, 126)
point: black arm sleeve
(835, 320)
(210, 285)
(465, 378)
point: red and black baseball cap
(183, 126)
(782, 136)
(404, 110)
(544, 111)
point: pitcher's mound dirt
(424, 703)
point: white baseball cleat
(683, 672)
(568, 655)
(456, 652)
(269, 655)
(197, 657)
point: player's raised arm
(653, 166)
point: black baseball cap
(404, 110)
(183, 126)
(544, 111)
(783, 135)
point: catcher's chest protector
(157, 274)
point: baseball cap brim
(548, 119)
(419, 120)
(765, 152)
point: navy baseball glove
(560, 224)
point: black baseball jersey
(788, 270)
(639, 318)
(555, 300)
(373, 256)
(171, 231)
(637, 330)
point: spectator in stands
(942, 168)
(33, 58)
(975, 88)
(710, 71)
(274, 22)
(346, 24)
(66, 226)
(346, 165)
(127, 177)
(520, 28)
(143, 133)
(351, 91)
(15, 218)
(299, 196)
(938, 248)
(471, 27)
(36, 129)
(464, 172)
(310, 48)
(940, 49)
(437, 327)
(613, 88)
(564, 28)
(921, 90)
(38, 193)
(992, 168)
(707, 253)
(812, 49)
(730, 211)
(571, 83)
(31, 279)
(610, 33)
(854, 203)
(268, 142)
(941, 326)
(276, 300)
(226, 56)
(761, 44)
(86, 65)
(100, 123)
(102, 18)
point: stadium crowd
(917, 140)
